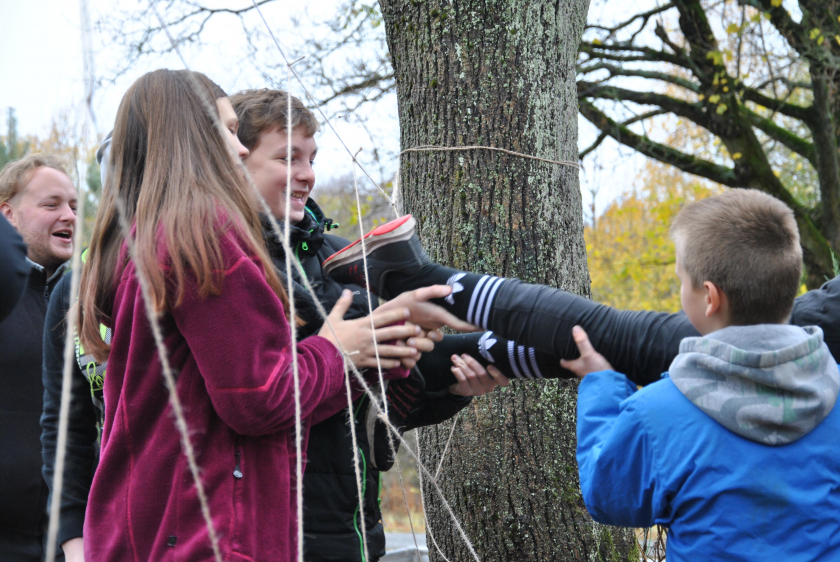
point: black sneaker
(394, 246)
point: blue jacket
(653, 457)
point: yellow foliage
(631, 255)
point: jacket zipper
(236, 472)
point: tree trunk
(502, 74)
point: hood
(770, 383)
(306, 237)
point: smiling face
(44, 213)
(268, 166)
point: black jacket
(82, 452)
(23, 492)
(331, 523)
(13, 267)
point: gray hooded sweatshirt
(769, 383)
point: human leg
(641, 344)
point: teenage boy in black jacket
(39, 201)
(332, 529)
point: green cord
(364, 483)
(356, 514)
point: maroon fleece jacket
(232, 357)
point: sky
(41, 74)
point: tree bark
(500, 73)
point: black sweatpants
(639, 344)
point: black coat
(13, 267)
(23, 492)
(82, 452)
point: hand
(473, 379)
(356, 336)
(423, 343)
(425, 314)
(74, 550)
(590, 361)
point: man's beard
(41, 250)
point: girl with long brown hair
(221, 310)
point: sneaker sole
(398, 230)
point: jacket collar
(38, 275)
(306, 237)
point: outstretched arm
(614, 453)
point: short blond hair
(15, 175)
(747, 243)
(264, 110)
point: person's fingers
(341, 306)
(435, 335)
(459, 375)
(483, 378)
(393, 351)
(582, 341)
(448, 319)
(397, 332)
(424, 345)
(388, 317)
(577, 366)
(432, 292)
(498, 376)
(408, 362)
(370, 363)
(473, 364)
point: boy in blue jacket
(735, 449)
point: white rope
(375, 351)
(317, 107)
(423, 504)
(320, 308)
(405, 496)
(430, 148)
(356, 467)
(446, 448)
(383, 411)
(378, 363)
(292, 327)
(67, 376)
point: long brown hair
(172, 173)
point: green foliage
(12, 147)
(631, 254)
(337, 199)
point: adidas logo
(456, 287)
(484, 345)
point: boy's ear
(714, 298)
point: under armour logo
(456, 287)
(484, 344)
